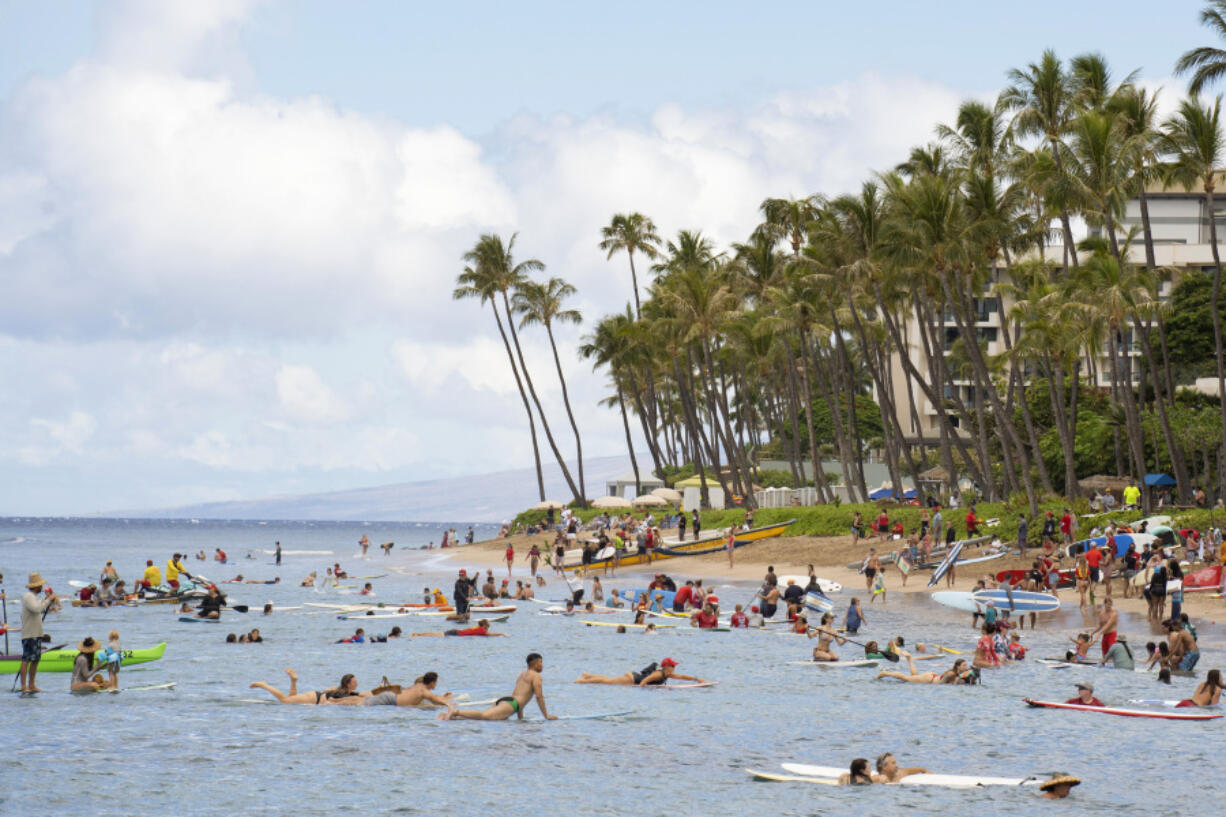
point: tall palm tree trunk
(569, 414)
(1215, 312)
(536, 449)
(519, 352)
(634, 463)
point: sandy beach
(829, 555)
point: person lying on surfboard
(887, 768)
(860, 774)
(346, 689)
(482, 629)
(650, 675)
(959, 673)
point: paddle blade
(239, 608)
(892, 657)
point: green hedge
(835, 520)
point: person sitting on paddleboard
(651, 675)
(825, 634)
(1085, 695)
(210, 605)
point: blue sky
(229, 230)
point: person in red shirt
(738, 619)
(482, 628)
(883, 525)
(510, 558)
(705, 619)
(1085, 696)
(682, 596)
(972, 523)
(1094, 558)
(1066, 527)
(898, 528)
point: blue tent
(909, 494)
(882, 493)
(1158, 480)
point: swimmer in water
(346, 689)
(958, 674)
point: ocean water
(203, 749)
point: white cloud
(305, 397)
(219, 275)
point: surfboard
(200, 620)
(1122, 542)
(824, 585)
(374, 616)
(818, 603)
(1128, 713)
(945, 564)
(693, 685)
(615, 624)
(595, 716)
(957, 599)
(146, 687)
(863, 662)
(1021, 601)
(606, 553)
(949, 780)
(774, 777)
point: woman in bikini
(825, 634)
(348, 688)
(1208, 693)
(959, 673)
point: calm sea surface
(201, 749)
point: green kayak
(61, 660)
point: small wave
(16, 540)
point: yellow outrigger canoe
(710, 544)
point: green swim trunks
(514, 704)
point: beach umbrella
(611, 502)
(649, 501)
(668, 494)
(548, 505)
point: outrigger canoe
(61, 660)
(710, 544)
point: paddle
(889, 656)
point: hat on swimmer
(668, 662)
(463, 572)
(89, 645)
(35, 581)
(1059, 780)
(1086, 685)
(754, 609)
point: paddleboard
(945, 564)
(786, 778)
(1149, 702)
(863, 662)
(200, 620)
(1021, 601)
(987, 558)
(950, 780)
(1122, 542)
(1128, 713)
(373, 616)
(606, 553)
(632, 596)
(694, 685)
(374, 576)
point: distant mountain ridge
(479, 498)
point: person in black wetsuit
(462, 590)
(210, 605)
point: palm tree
(607, 346)
(1206, 64)
(541, 304)
(1192, 141)
(496, 259)
(789, 219)
(482, 282)
(1045, 103)
(631, 232)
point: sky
(230, 230)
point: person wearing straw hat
(33, 611)
(1058, 786)
(83, 665)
